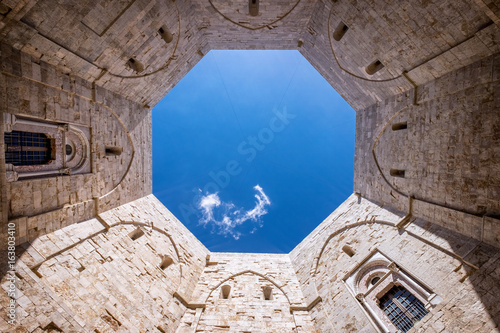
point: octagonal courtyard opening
(252, 150)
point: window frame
(390, 273)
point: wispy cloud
(225, 217)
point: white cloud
(207, 204)
(226, 218)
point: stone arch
(247, 272)
(79, 160)
(167, 36)
(115, 166)
(356, 74)
(395, 163)
(317, 261)
(133, 223)
(405, 169)
(162, 232)
(246, 288)
(340, 230)
(236, 13)
(378, 266)
(111, 260)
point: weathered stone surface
(98, 253)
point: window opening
(135, 65)
(26, 148)
(397, 173)
(226, 290)
(268, 293)
(340, 31)
(165, 34)
(113, 151)
(137, 233)
(347, 249)
(402, 308)
(253, 7)
(69, 150)
(399, 126)
(375, 280)
(167, 261)
(374, 67)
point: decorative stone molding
(374, 276)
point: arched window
(340, 31)
(37, 148)
(167, 261)
(268, 293)
(26, 148)
(225, 291)
(392, 297)
(402, 308)
(374, 67)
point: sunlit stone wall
(460, 270)
(83, 264)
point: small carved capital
(393, 267)
(63, 127)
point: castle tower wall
(448, 151)
(454, 267)
(97, 252)
(106, 274)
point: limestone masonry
(415, 248)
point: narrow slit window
(253, 6)
(135, 65)
(402, 308)
(348, 250)
(340, 31)
(165, 34)
(397, 173)
(113, 151)
(166, 262)
(268, 293)
(374, 67)
(136, 234)
(399, 126)
(225, 291)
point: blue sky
(252, 150)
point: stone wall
(246, 309)
(38, 91)
(459, 269)
(95, 41)
(104, 275)
(449, 151)
(97, 253)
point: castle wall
(98, 253)
(456, 268)
(94, 276)
(449, 151)
(34, 90)
(95, 42)
(246, 308)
